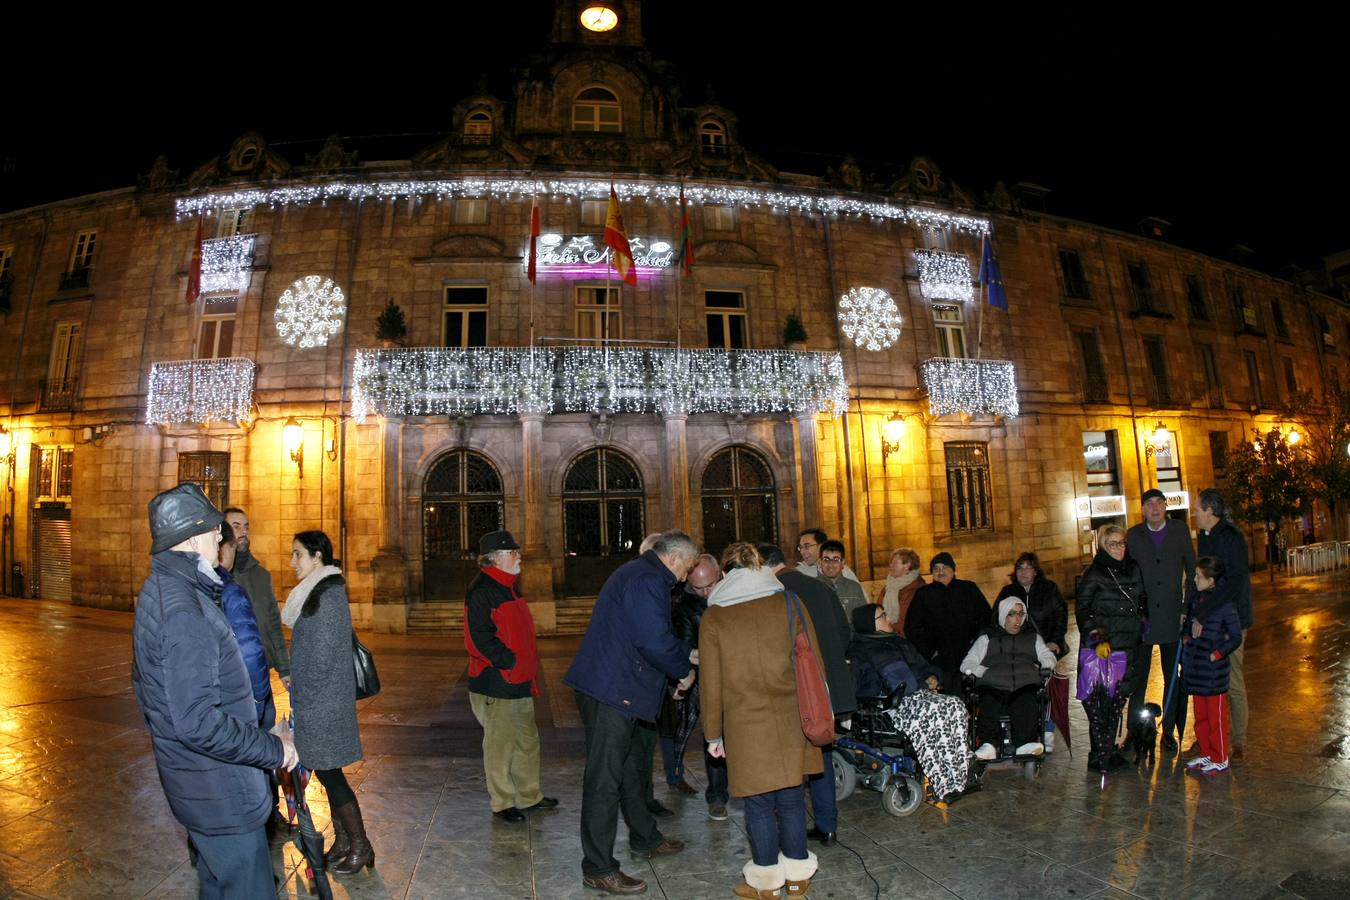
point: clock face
(599, 18)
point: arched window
(713, 138)
(461, 501)
(602, 518)
(597, 109)
(478, 128)
(739, 500)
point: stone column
(388, 569)
(536, 571)
(675, 474)
(807, 450)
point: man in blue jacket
(619, 674)
(194, 691)
(1220, 538)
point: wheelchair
(1007, 758)
(878, 756)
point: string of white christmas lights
(971, 386)
(226, 263)
(869, 317)
(944, 276)
(200, 390)
(578, 189)
(509, 380)
(309, 311)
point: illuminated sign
(1094, 507)
(1178, 499)
(578, 254)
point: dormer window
(597, 109)
(713, 138)
(478, 128)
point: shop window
(1101, 459)
(603, 508)
(740, 502)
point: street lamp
(293, 438)
(1158, 441)
(892, 432)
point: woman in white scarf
(902, 583)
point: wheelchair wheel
(902, 796)
(845, 777)
(1030, 769)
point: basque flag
(616, 239)
(533, 272)
(991, 277)
(686, 244)
(194, 284)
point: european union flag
(991, 277)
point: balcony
(944, 276)
(226, 263)
(971, 386)
(58, 394)
(1096, 389)
(76, 279)
(200, 391)
(1165, 395)
(436, 381)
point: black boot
(360, 855)
(342, 842)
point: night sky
(1227, 130)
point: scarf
(290, 613)
(741, 585)
(891, 600)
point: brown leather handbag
(813, 695)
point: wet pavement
(82, 813)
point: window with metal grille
(210, 471)
(603, 507)
(969, 500)
(462, 500)
(740, 502)
(55, 470)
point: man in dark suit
(1162, 547)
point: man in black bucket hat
(194, 691)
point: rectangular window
(951, 333)
(6, 281)
(234, 221)
(1155, 358)
(1101, 458)
(1213, 387)
(1141, 288)
(1290, 378)
(1075, 280)
(58, 391)
(1248, 319)
(465, 316)
(593, 212)
(1277, 317)
(215, 338)
(79, 272)
(1195, 298)
(969, 498)
(210, 472)
(725, 315)
(1254, 378)
(55, 467)
(1218, 453)
(599, 318)
(717, 217)
(471, 211)
(1095, 387)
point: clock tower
(609, 23)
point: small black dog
(1144, 732)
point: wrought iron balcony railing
(58, 393)
(1096, 389)
(200, 390)
(506, 380)
(77, 278)
(226, 263)
(1167, 395)
(970, 386)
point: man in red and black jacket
(503, 663)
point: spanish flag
(616, 239)
(686, 245)
(194, 282)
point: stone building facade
(581, 413)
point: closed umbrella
(308, 839)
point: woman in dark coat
(1109, 609)
(1045, 605)
(323, 691)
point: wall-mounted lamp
(1158, 442)
(892, 433)
(293, 437)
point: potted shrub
(794, 333)
(390, 326)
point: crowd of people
(679, 641)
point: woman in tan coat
(750, 716)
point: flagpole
(679, 274)
(985, 251)
(534, 202)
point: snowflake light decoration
(309, 311)
(869, 317)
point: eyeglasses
(806, 546)
(832, 559)
(1017, 615)
(1114, 545)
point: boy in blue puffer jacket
(1210, 632)
(244, 624)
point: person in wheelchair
(936, 725)
(1010, 664)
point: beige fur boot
(797, 873)
(761, 882)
